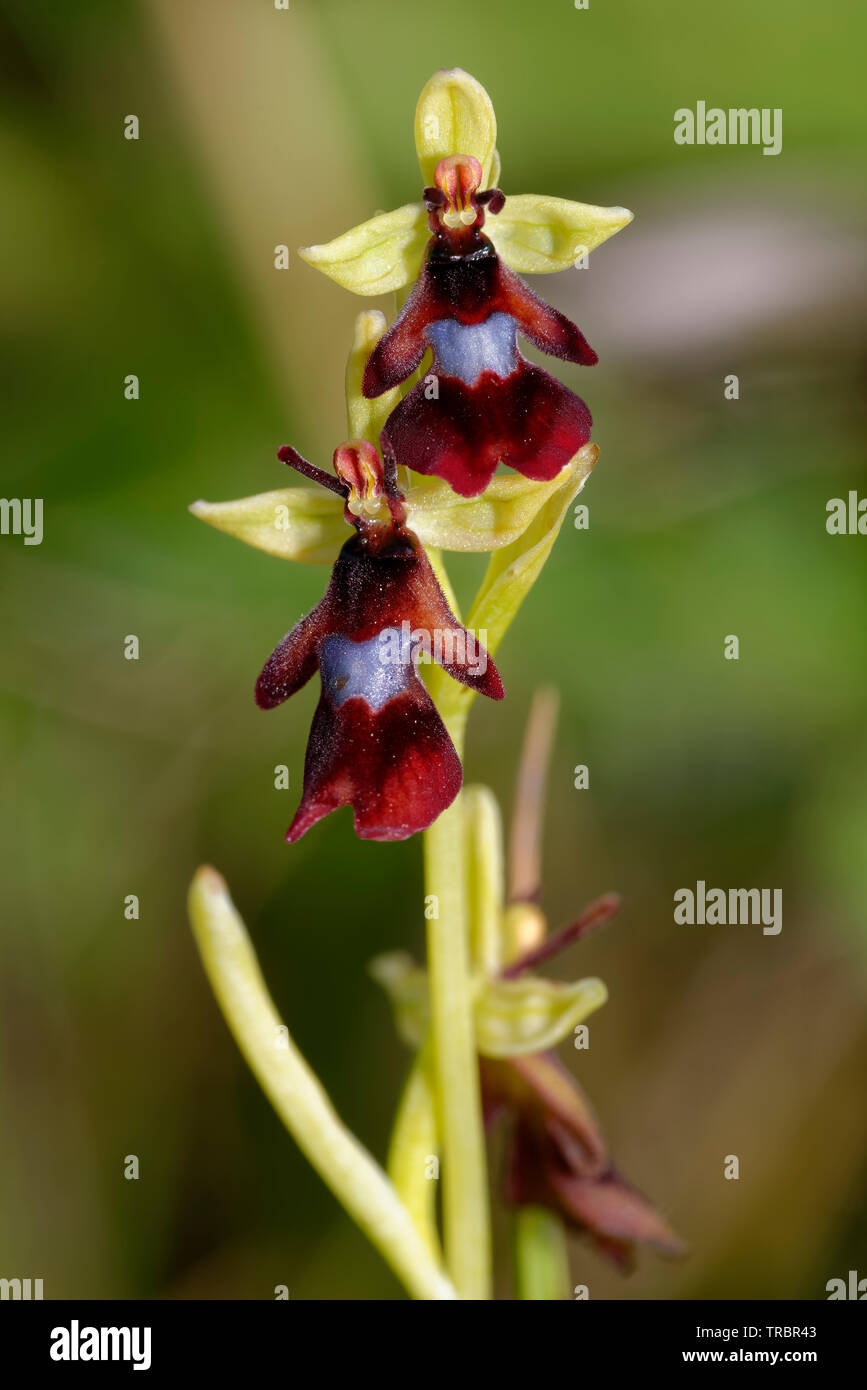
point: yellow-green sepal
(377, 256)
(512, 1018)
(494, 519)
(513, 570)
(307, 524)
(536, 234)
(454, 116)
(510, 576)
(295, 523)
(517, 1017)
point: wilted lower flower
(558, 1158)
(377, 741)
(557, 1155)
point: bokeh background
(155, 257)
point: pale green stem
(541, 1259)
(510, 575)
(413, 1155)
(415, 1138)
(466, 1216)
(354, 1177)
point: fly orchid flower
(482, 403)
(559, 1160)
(377, 741)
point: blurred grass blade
(485, 878)
(357, 1182)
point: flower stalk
(541, 1260)
(466, 1217)
(541, 1257)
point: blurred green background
(707, 517)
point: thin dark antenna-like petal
(291, 457)
(599, 912)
